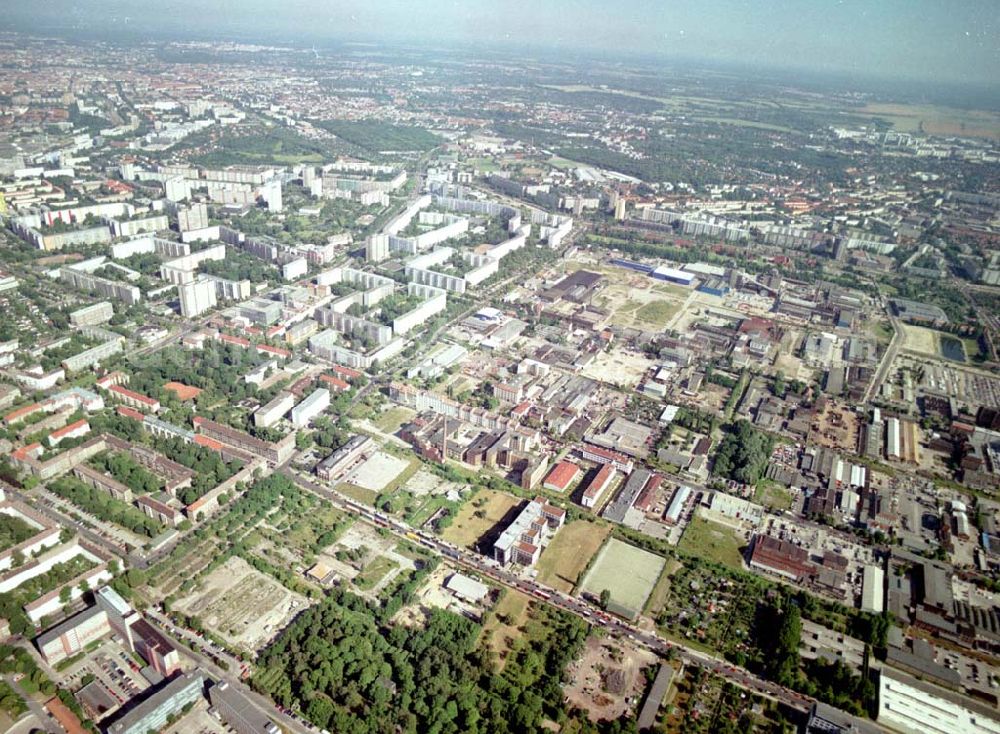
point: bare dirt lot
(837, 427)
(377, 471)
(921, 339)
(604, 676)
(241, 604)
(618, 367)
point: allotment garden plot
(627, 572)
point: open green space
(657, 312)
(14, 530)
(367, 496)
(390, 420)
(382, 136)
(771, 494)
(569, 552)
(374, 572)
(484, 511)
(712, 541)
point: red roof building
(346, 372)
(782, 558)
(274, 351)
(73, 430)
(562, 475)
(597, 485)
(21, 413)
(335, 383)
(127, 412)
(134, 399)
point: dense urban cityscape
(371, 390)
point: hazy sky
(939, 40)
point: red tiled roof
(274, 350)
(599, 481)
(346, 372)
(22, 412)
(66, 718)
(66, 430)
(124, 391)
(562, 474)
(237, 340)
(335, 382)
(208, 443)
(22, 453)
(127, 412)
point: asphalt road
(592, 614)
(206, 655)
(887, 359)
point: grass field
(467, 528)
(772, 495)
(483, 164)
(935, 120)
(392, 419)
(374, 572)
(657, 312)
(558, 162)
(629, 573)
(569, 553)
(661, 592)
(711, 541)
(882, 331)
(355, 492)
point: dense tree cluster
(104, 507)
(127, 470)
(349, 671)
(743, 453)
(382, 136)
(781, 659)
(14, 530)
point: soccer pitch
(627, 572)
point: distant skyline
(931, 40)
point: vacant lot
(569, 553)
(661, 592)
(657, 313)
(712, 541)
(635, 303)
(374, 572)
(773, 495)
(379, 471)
(477, 518)
(391, 419)
(606, 675)
(360, 494)
(936, 120)
(618, 367)
(921, 339)
(627, 572)
(241, 604)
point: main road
(207, 656)
(887, 359)
(581, 608)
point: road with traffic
(580, 607)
